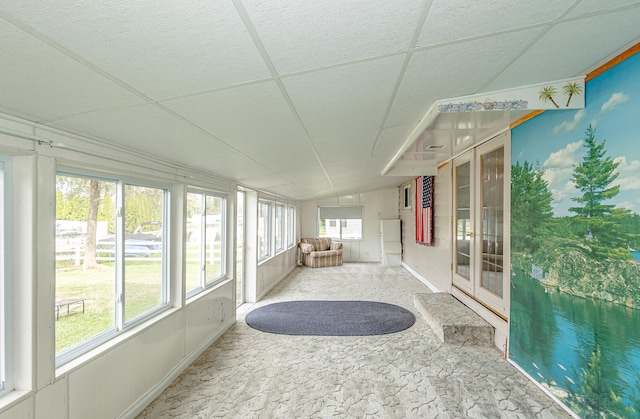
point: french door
(480, 196)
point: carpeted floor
(330, 318)
(411, 374)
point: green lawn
(96, 286)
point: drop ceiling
(305, 99)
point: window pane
(85, 260)
(351, 229)
(492, 192)
(5, 338)
(194, 242)
(214, 252)
(264, 230)
(143, 249)
(291, 226)
(279, 227)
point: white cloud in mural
(570, 125)
(559, 168)
(629, 174)
(615, 99)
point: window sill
(112, 343)
(13, 398)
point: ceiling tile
(391, 139)
(344, 100)
(599, 6)
(238, 167)
(307, 174)
(346, 148)
(311, 34)
(151, 130)
(250, 118)
(451, 20)
(453, 70)
(282, 159)
(596, 41)
(268, 181)
(170, 48)
(40, 83)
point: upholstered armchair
(320, 252)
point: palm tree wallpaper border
(575, 252)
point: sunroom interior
(194, 143)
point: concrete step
(453, 322)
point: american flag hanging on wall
(424, 210)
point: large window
(206, 222)
(110, 259)
(280, 215)
(264, 229)
(342, 223)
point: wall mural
(575, 248)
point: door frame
(473, 294)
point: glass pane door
(463, 256)
(491, 203)
(479, 224)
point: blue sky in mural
(554, 139)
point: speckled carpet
(330, 318)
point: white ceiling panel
(451, 20)
(391, 139)
(454, 70)
(267, 182)
(238, 167)
(307, 174)
(149, 129)
(40, 83)
(593, 6)
(252, 117)
(346, 148)
(324, 33)
(168, 47)
(309, 99)
(282, 159)
(352, 169)
(344, 100)
(596, 41)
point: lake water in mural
(575, 247)
(559, 332)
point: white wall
(433, 263)
(378, 205)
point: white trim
(422, 279)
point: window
(6, 384)
(279, 227)
(264, 230)
(342, 223)
(205, 257)
(406, 198)
(291, 226)
(110, 259)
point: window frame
(121, 323)
(205, 284)
(406, 191)
(6, 276)
(267, 230)
(291, 226)
(279, 227)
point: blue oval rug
(330, 318)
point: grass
(97, 287)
